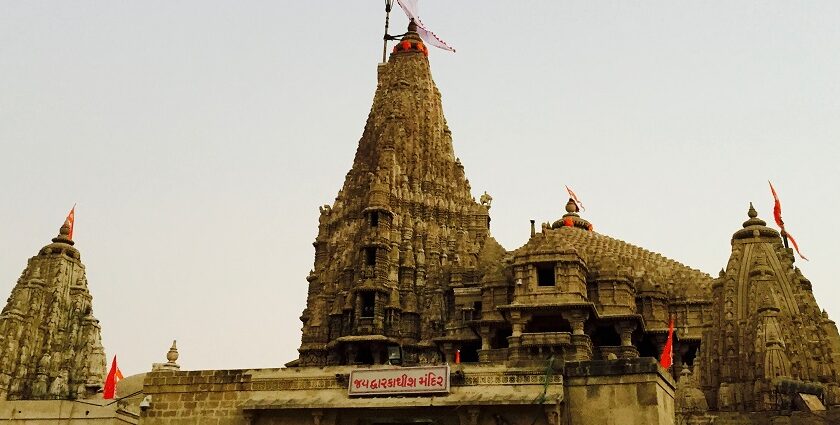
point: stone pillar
(625, 330)
(581, 342)
(449, 352)
(576, 318)
(485, 338)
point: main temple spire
(402, 232)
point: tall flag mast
(388, 5)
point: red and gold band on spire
(408, 46)
(777, 215)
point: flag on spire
(114, 376)
(667, 358)
(410, 9)
(777, 215)
(71, 219)
(575, 198)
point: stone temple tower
(50, 346)
(767, 339)
(403, 233)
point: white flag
(410, 9)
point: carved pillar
(485, 333)
(625, 330)
(581, 341)
(449, 352)
(576, 318)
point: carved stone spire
(50, 345)
(405, 207)
(762, 309)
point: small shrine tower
(50, 344)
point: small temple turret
(764, 316)
(50, 343)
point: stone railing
(545, 339)
(497, 355)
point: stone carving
(760, 333)
(41, 325)
(404, 259)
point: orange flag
(71, 219)
(114, 376)
(667, 357)
(777, 215)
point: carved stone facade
(566, 329)
(767, 340)
(406, 272)
(50, 345)
(402, 234)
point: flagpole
(388, 4)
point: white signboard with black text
(403, 380)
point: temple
(416, 314)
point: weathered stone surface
(50, 344)
(403, 231)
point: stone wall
(636, 391)
(183, 397)
(49, 412)
(619, 392)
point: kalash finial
(64, 235)
(411, 42)
(571, 206)
(753, 218)
(172, 354)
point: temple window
(374, 219)
(368, 304)
(545, 274)
(370, 256)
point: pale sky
(199, 138)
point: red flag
(574, 196)
(667, 358)
(457, 356)
(777, 215)
(114, 376)
(71, 219)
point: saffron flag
(667, 358)
(574, 196)
(777, 207)
(71, 219)
(410, 9)
(114, 376)
(457, 356)
(777, 215)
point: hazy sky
(200, 137)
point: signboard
(403, 380)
